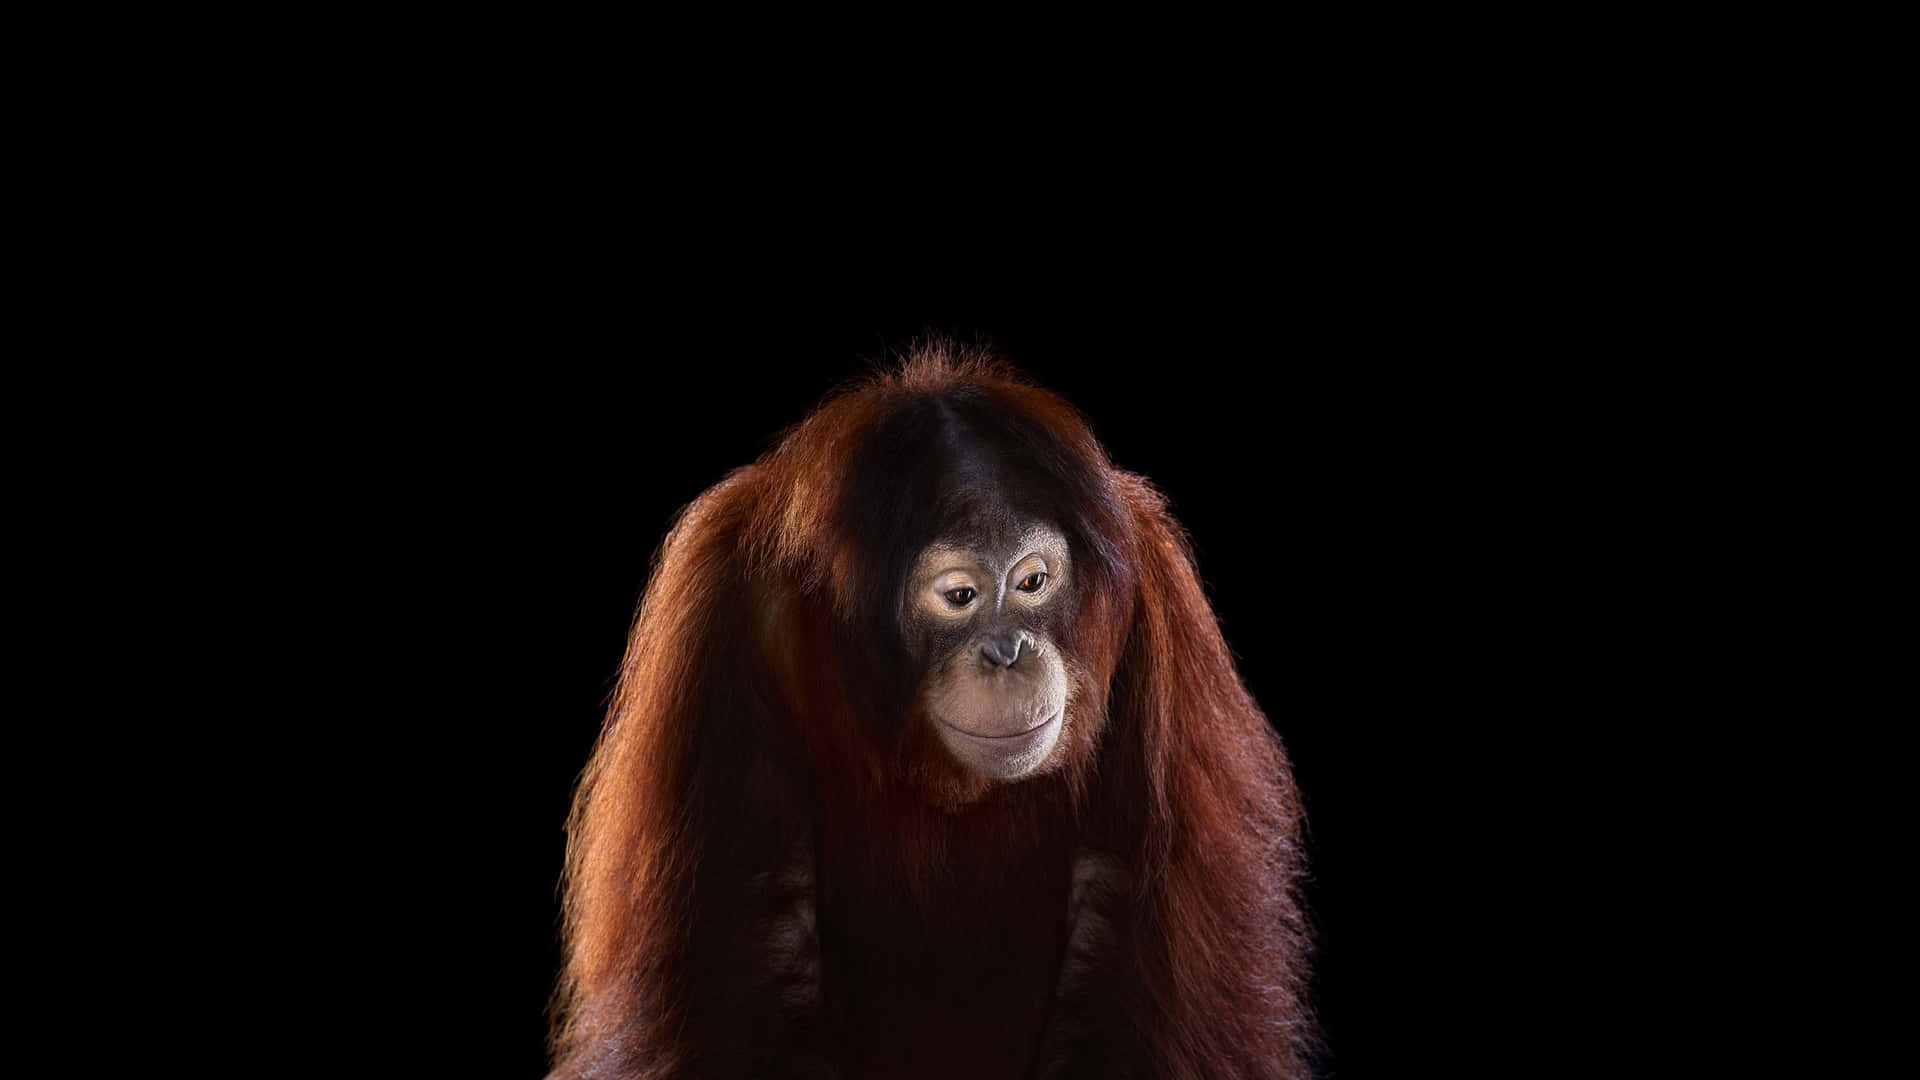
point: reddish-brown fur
(772, 870)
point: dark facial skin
(984, 613)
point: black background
(1382, 515)
(1437, 387)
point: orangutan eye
(961, 597)
(1033, 581)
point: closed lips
(1006, 741)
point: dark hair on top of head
(942, 439)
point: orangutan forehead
(995, 546)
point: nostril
(1001, 652)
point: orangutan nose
(1001, 650)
